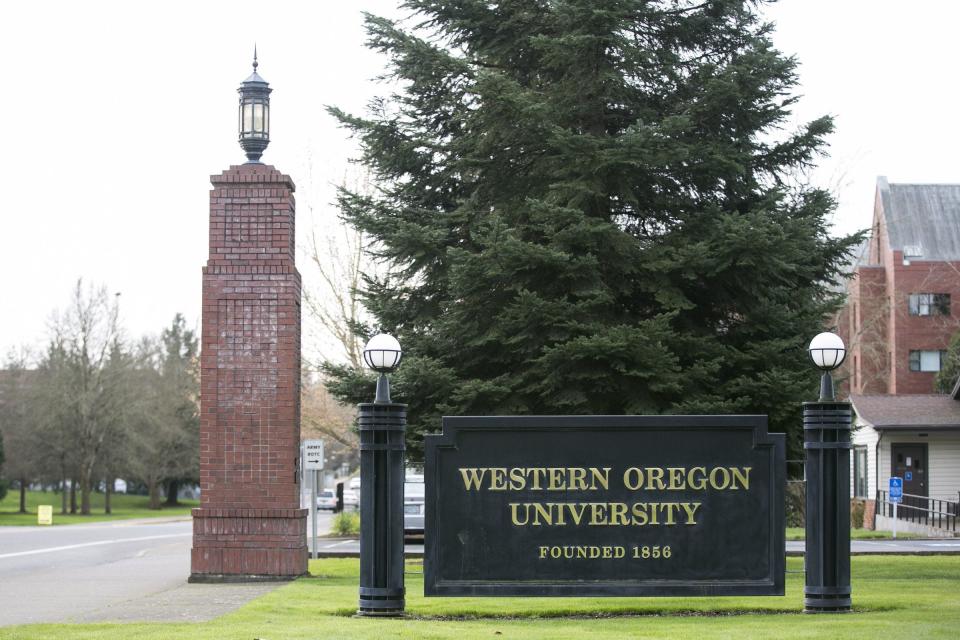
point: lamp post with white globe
(827, 352)
(826, 444)
(383, 426)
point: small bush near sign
(605, 505)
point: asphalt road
(124, 570)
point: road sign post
(896, 497)
(313, 465)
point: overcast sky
(114, 115)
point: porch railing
(932, 512)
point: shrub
(857, 508)
(346, 523)
(796, 503)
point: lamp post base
(827, 600)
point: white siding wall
(864, 434)
(943, 464)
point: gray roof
(935, 412)
(922, 218)
(254, 78)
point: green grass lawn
(123, 506)
(894, 597)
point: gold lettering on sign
(556, 479)
(719, 478)
(660, 480)
(472, 478)
(514, 518)
(697, 478)
(741, 474)
(578, 479)
(517, 480)
(536, 478)
(603, 514)
(691, 509)
(498, 479)
(676, 478)
(633, 478)
(602, 476)
(655, 474)
(582, 552)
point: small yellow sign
(45, 514)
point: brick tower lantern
(250, 525)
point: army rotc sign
(605, 505)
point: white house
(914, 437)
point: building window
(860, 472)
(929, 304)
(926, 360)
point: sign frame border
(773, 584)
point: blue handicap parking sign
(896, 489)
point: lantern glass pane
(266, 119)
(831, 357)
(817, 355)
(247, 118)
(258, 118)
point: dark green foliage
(950, 368)
(3, 483)
(590, 208)
(795, 503)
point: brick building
(902, 308)
(904, 296)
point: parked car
(351, 500)
(413, 518)
(413, 506)
(327, 499)
(355, 484)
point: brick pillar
(870, 514)
(250, 525)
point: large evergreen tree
(590, 207)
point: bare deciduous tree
(18, 428)
(325, 418)
(89, 334)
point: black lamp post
(826, 435)
(254, 114)
(383, 426)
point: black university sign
(604, 505)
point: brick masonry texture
(876, 323)
(249, 522)
(870, 514)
